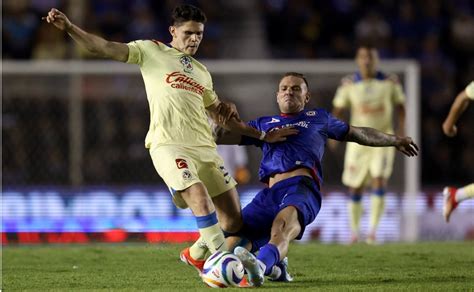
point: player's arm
(226, 116)
(226, 137)
(92, 43)
(372, 137)
(459, 106)
(401, 113)
(337, 112)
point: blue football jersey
(306, 149)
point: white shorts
(362, 163)
(181, 167)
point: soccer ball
(222, 269)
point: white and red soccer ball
(223, 269)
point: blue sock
(356, 197)
(379, 192)
(269, 255)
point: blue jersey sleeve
(337, 129)
(246, 140)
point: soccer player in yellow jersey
(453, 196)
(179, 91)
(372, 98)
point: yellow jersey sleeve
(342, 98)
(398, 97)
(209, 98)
(470, 90)
(136, 52)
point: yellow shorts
(361, 163)
(181, 167)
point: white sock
(465, 193)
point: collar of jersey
(178, 51)
(290, 115)
(378, 76)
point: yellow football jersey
(470, 90)
(178, 88)
(371, 101)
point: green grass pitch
(431, 266)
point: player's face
(187, 36)
(292, 95)
(367, 60)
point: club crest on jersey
(187, 64)
(311, 113)
(187, 174)
(181, 163)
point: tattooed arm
(372, 137)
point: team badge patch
(181, 163)
(187, 174)
(311, 113)
(187, 64)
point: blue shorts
(300, 192)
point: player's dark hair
(186, 12)
(295, 74)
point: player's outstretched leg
(450, 203)
(280, 272)
(453, 196)
(251, 264)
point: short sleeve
(341, 100)
(209, 97)
(398, 95)
(470, 90)
(135, 52)
(245, 140)
(336, 128)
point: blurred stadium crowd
(439, 34)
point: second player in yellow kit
(372, 97)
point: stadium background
(115, 189)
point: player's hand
(450, 130)
(280, 135)
(407, 146)
(227, 111)
(58, 19)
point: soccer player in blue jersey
(293, 171)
